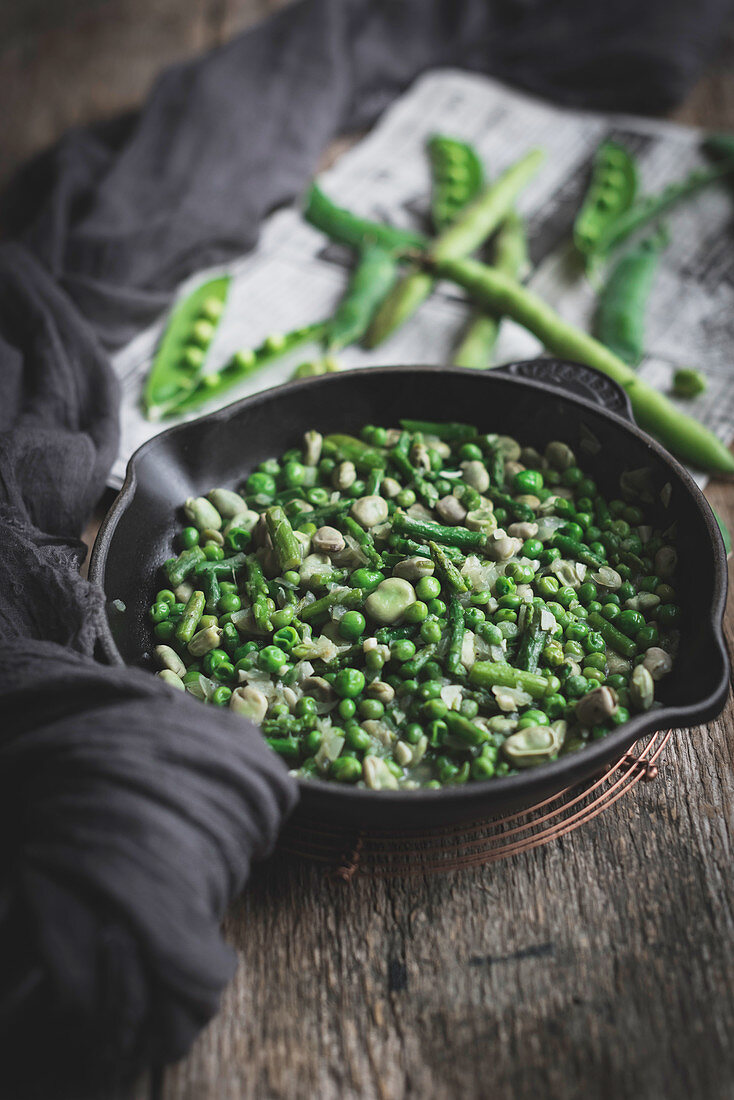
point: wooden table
(598, 966)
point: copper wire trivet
(386, 853)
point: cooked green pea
(428, 588)
(272, 658)
(430, 632)
(352, 625)
(349, 683)
(527, 481)
(417, 612)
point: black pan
(535, 401)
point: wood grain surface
(599, 966)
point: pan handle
(575, 378)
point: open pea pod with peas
(181, 354)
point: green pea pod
(183, 346)
(242, 365)
(683, 435)
(347, 228)
(510, 254)
(457, 177)
(372, 278)
(649, 208)
(611, 192)
(620, 317)
(475, 224)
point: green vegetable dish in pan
(420, 606)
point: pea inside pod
(181, 353)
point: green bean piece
(347, 228)
(190, 618)
(212, 592)
(456, 637)
(363, 539)
(533, 640)
(436, 532)
(485, 674)
(285, 544)
(450, 433)
(620, 317)
(611, 193)
(338, 597)
(465, 729)
(619, 642)
(419, 662)
(178, 569)
(410, 548)
(571, 548)
(320, 516)
(510, 255)
(466, 233)
(446, 570)
(457, 177)
(257, 590)
(242, 365)
(172, 374)
(346, 448)
(399, 456)
(224, 568)
(649, 208)
(285, 746)
(523, 513)
(372, 279)
(496, 468)
(688, 439)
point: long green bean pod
(620, 317)
(688, 439)
(510, 254)
(476, 222)
(372, 279)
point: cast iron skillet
(535, 401)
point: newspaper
(295, 276)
